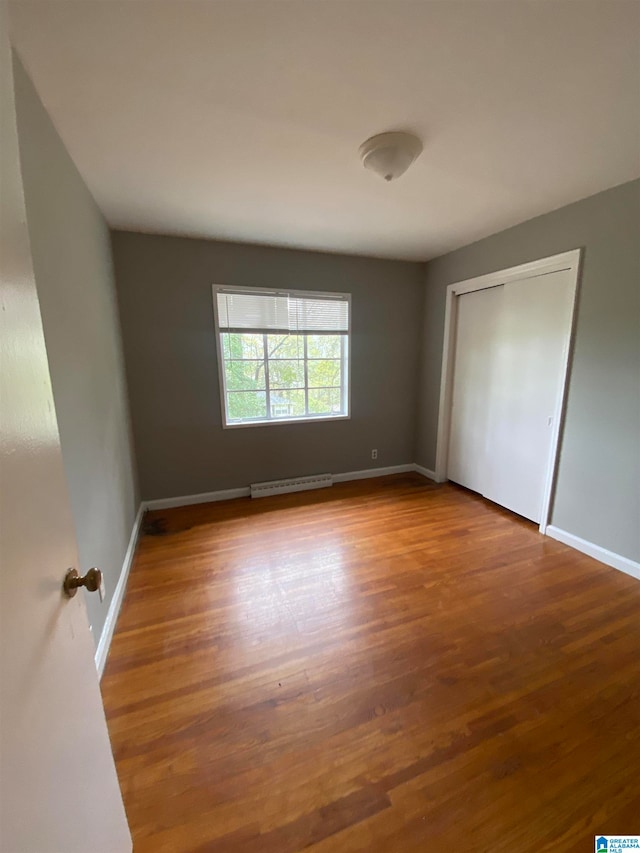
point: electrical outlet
(374, 454)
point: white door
(528, 359)
(509, 361)
(59, 791)
(476, 328)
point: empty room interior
(320, 426)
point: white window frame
(345, 361)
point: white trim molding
(426, 472)
(118, 595)
(623, 564)
(555, 263)
(201, 498)
(367, 473)
(245, 491)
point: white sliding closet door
(527, 371)
(508, 371)
(476, 329)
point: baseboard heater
(294, 484)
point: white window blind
(282, 312)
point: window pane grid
(263, 390)
(283, 401)
(271, 358)
(274, 376)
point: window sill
(277, 421)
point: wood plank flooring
(386, 665)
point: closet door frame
(555, 263)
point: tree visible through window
(293, 363)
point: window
(283, 355)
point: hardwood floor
(386, 665)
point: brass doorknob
(92, 581)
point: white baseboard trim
(426, 472)
(367, 473)
(118, 595)
(623, 564)
(202, 498)
(245, 491)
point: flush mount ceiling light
(390, 154)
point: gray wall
(598, 487)
(164, 286)
(72, 262)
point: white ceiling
(241, 120)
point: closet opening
(506, 356)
